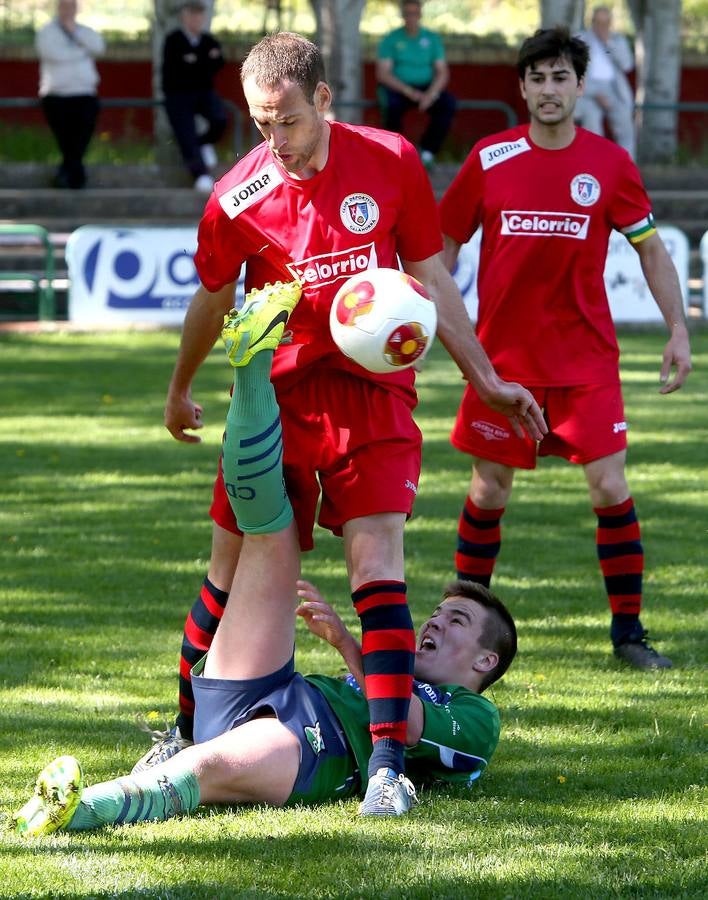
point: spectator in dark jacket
(191, 59)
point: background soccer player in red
(316, 202)
(547, 196)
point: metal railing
(499, 105)
(462, 105)
(238, 129)
(43, 282)
(681, 106)
(135, 103)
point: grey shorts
(327, 767)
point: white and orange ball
(383, 319)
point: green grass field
(597, 788)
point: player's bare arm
(459, 339)
(451, 250)
(323, 621)
(202, 326)
(663, 282)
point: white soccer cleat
(165, 745)
(388, 794)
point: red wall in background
(133, 78)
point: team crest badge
(359, 213)
(585, 190)
(314, 738)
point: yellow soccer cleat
(57, 793)
(260, 322)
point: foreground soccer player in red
(547, 196)
(314, 203)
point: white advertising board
(122, 276)
(704, 261)
(627, 290)
(465, 273)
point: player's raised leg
(250, 337)
(256, 633)
(251, 451)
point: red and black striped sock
(199, 631)
(478, 542)
(619, 549)
(388, 655)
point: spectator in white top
(608, 94)
(68, 87)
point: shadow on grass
(360, 862)
(107, 544)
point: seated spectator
(191, 58)
(68, 81)
(608, 94)
(412, 72)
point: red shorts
(585, 422)
(348, 439)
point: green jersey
(460, 731)
(413, 58)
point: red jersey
(371, 201)
(546, 218)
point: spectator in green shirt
(412, 72)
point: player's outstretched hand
(319, 616)
(181, 412)
(515, 402)
(677, 355)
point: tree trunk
(658, 54)
(339, 39)
(562, 12)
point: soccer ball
(383, 319)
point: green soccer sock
(147, 796)
(253, 451)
